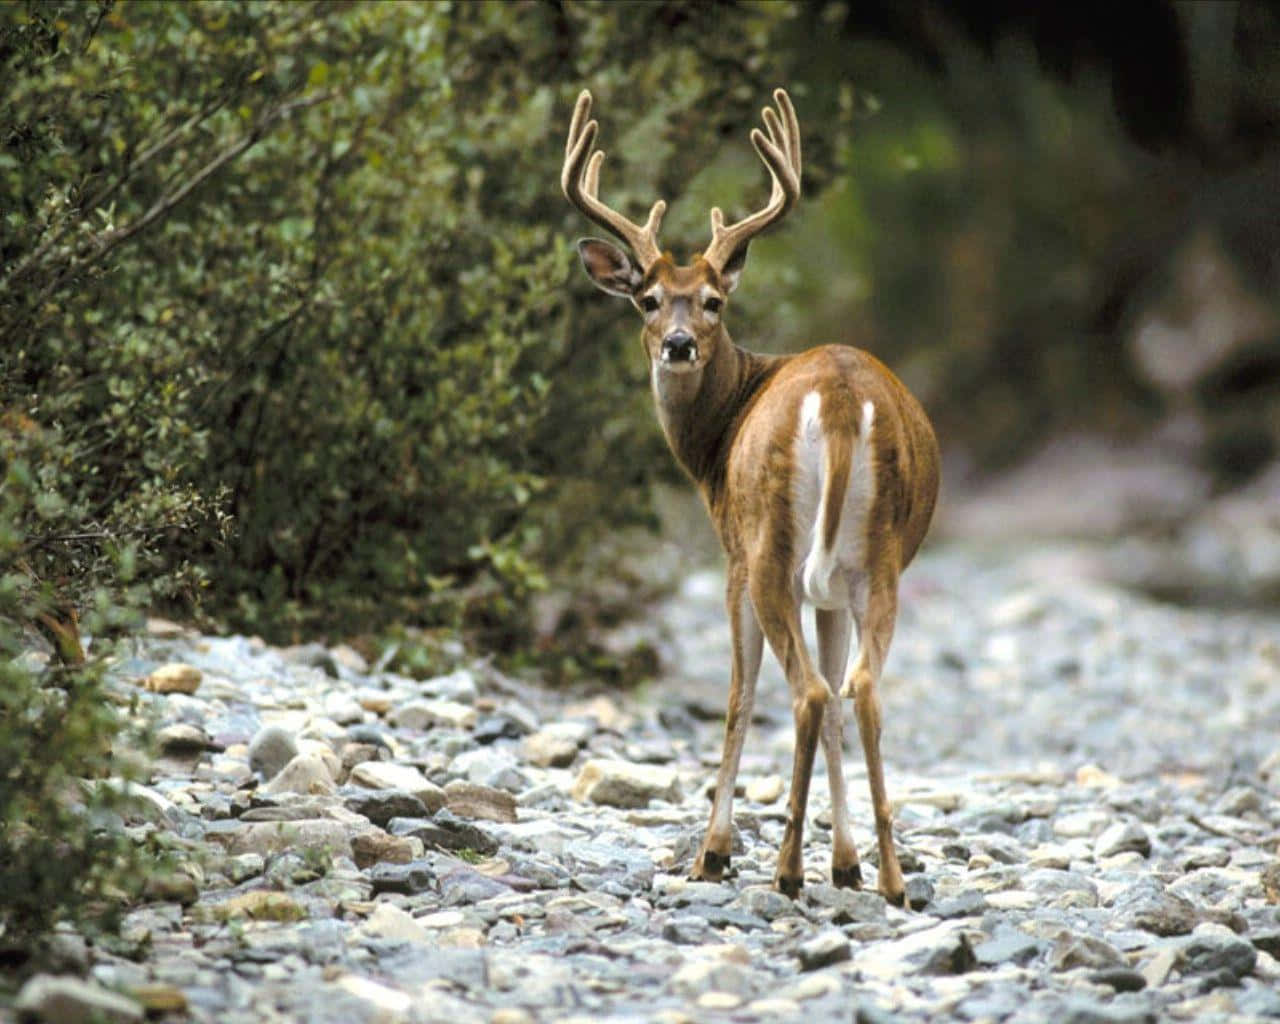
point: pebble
(174, 677)
(1083, 808)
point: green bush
(289, 286)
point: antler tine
(780, 151)
(580, 181)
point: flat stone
(67, 1000)
(377, 847)
(406, 879)
(473, 800)
(389, 775)
(1007, 946)
(445, 831)
(823, 950)
(424, 715)
(267, 838)
(390, 922)
(1122, 979)
(624, 784)
(1081, 824)
(182, 739)
(175, 677)
(380, 806)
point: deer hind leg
(778, 613)
(875, 619)
(833, 650)
(713, 857)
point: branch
(166, 203)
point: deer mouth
(682, 354)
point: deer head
(682, 306)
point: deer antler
(580, 179)
(780, 151)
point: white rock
(624, 784)
(1079, 824)
(66, 1000)
(421, 715)
(306, 773)
(390, 922)
(765, 790)
(389, 775)
(390, 1005)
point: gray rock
(380, 806)
(624, 784)
(823, 950)
(65, 1000)
(1122, 837)
(307, 774)
(271, 748)
(445, 831)
(1122, 979)
(1210, 954)
(407, 879)
(1086, 1011)
(1148, 906)
(1007, 945)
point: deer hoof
(710, 866)
(789, 886)
(847, 878)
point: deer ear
(732, 272)
(609, 267)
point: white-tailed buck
(819, 471)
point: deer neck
(700, 411)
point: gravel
(1086, 791)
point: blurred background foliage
(292, 326)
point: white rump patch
(828, 577)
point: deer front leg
(713, 857)
(833, 652)
(875, 631)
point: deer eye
(649, 304)
(713, 304)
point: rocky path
(1088, 805)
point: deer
(819, 471)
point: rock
(1122, 837)
(623, 784)
(823, 950)
(701, 976)
(765, 790)
(380, 806)
(182, 740)
(1007, 945)
(1214, 953)
(174, 677)
(389, 775)
(1086, 1011)
(1122, 979)
(1149, 907)
(406, 879)
(942, 949)
(390, 922)
(385, 1005)
(556, 745)
(1073, 951)
(446, 831)
(318, 835)
(158, 999)
(271, 748)
(423, 715)
(307, 774)
(65, 1000)
(258, 905)
(1081, 824)
(472, 800)
(376, 847)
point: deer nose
(679, 347)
